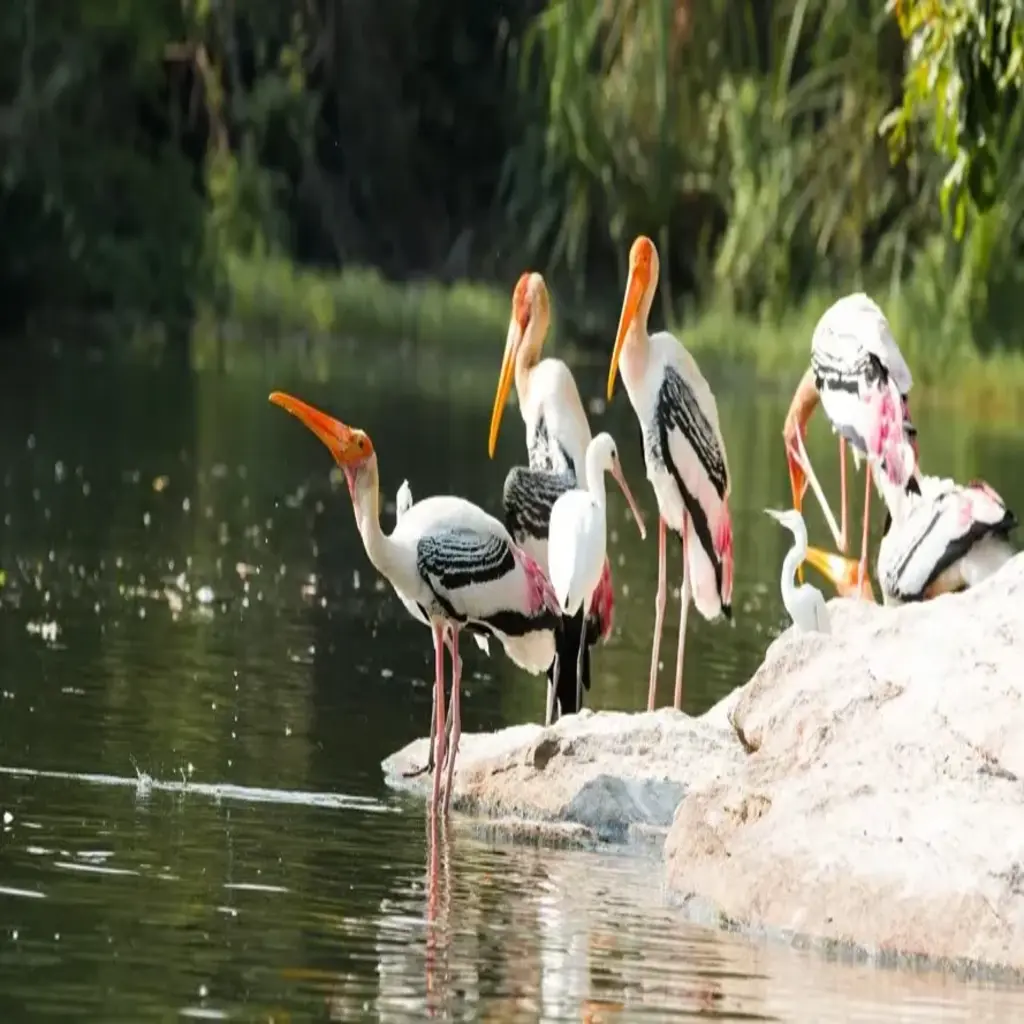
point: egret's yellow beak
(636, 286)
(841, 572)
(346, 444)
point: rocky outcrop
(864, 788)
(589, 776)
(882, 803)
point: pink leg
(456, 717)
(843, 543)
(659, 616)
(684, 607)
(439, 738)
(862, 568)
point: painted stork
(577, 537)
(685, 456)
(860, 377)
(404, 502)
(940, 537)
(805, 603)
(452, 560)
(557, 435)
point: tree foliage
(146, 146)
(965, 73)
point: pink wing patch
(602, 604)
(540, 594)
(723, 548)
(885, 429)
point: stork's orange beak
(516, 332)
(841, 572)
(345, 443)
(636, 285)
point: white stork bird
(805, 603)
(557, 435)
(859, 375)
(577, 536)
(940, 537)
(684, 452)
(403, 502)
(452, 560)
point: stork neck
(366, 502)
(528, 355)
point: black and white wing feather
(527, 499)
(938, 530)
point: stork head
(351, 449)
(644, 268)
(531, 314)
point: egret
(684, 453)
(577, 535)
(804, 603)
(454, 562)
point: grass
(276, 299)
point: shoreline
(301, 308)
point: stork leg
(415, 773)
(549, 716)
(684, 608)
(843, 541)
(439, 736)
(456, 717)
(799, 452)
(659, 616)
(579, 663)
(862, 568)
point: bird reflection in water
(438, 908)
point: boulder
(881, 804)
(590, 776)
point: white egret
(805, 604)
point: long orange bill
(341, 440)
(635, 288)
(508, 367)
(841, 572)
(624, 487)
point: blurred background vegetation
(331, 166)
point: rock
(882, 803)
(591, 776)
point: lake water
(200, 674)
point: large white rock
(592, 776)
(882, 803)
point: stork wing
(689, 421)
(936, 533)
(527, 500)
(850, 331)
(479, 576)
